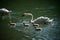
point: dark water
(37, 8)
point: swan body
(11, 24)
(36, 26)
(4, 10)
(38, 29)
(26, 25)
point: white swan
(4, 10)
(39, 20)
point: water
(37, 8)
(44, 34)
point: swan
(36, 26)
(39, 20)
(11, 24)
(4, 12)
(25, 24)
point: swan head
(27, 14)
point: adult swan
(39, 20)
